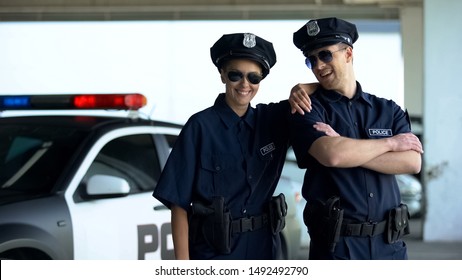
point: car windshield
(33, 156)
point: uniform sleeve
(281, 108)
(277, 114)
(177, 178)
(401, 122)
(302, 134)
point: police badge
(249, 40)
(312, 28)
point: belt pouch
(199, 216)
(397, 224)
(277, 213)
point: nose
(244, 81)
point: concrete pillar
(412, 40)
(442, 113)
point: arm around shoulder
(299, 97)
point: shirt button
(244, 211)
(371, 195)
(217, 168)
(250, 177)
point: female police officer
(225, 165)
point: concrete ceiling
(97, 10)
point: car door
(114, 215)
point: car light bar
(130, 101)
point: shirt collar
(229, 117)
(333, 96)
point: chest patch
(267, 149)
(380, 132)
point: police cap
(322, 32)
(243, 45)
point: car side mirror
(106, 186)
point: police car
(78, 185)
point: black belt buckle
(247, 224)
(367, 229)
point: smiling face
(239, 92)
(336, 74)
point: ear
(222, 76)
(349, 54)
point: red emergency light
(130, 101)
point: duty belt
(249, 224)
(363, 229)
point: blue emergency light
(130, 101)
(15, 102)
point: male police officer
(353, 206)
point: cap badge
(249, 40)
(312, 28)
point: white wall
(443, 119)
(169, 61)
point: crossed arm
(394, 155)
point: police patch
(267, 149)
(380, 132)
(249, 40)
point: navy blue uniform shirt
(365, 195)
(219, 153)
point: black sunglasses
(252, 77)
(325, 56)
